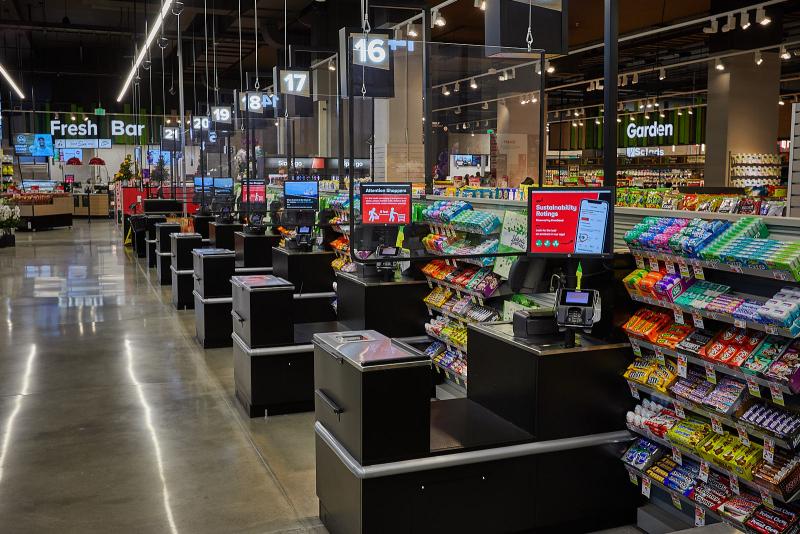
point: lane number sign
(295, 82)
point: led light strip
(147, 43)
(13, 85)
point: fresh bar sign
(88, 128)
(652, 130)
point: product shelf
(725, 318)
(478, 297)
(459, 348)
(684, 499)
(723, 419)
(719, 367)
(451, 229)
(762, 490)
(447, 313)
(473, 261)
(677, 261)
(451, 375)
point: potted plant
(9, 220)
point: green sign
(99, 111)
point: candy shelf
(442, 311)
(452, 229)
(479, 297)
(702, 411)
(683, 498)
(677, 261)
(451, 375)
(472, 261)
(719, 367)
(457, 347)
(763, 490)
(725, 318)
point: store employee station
(409, 266)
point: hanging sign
(170, 137)
(221, 114)
(369, 59)
(295, 82)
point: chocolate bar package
(787, 367)
(695, 341)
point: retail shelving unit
(757, 387)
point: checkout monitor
(570, 222)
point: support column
(742, 114)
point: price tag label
(780, 275)
(716, 425)
(677, 456)
(704, 468)
(771, 329)
(659, 355)
(769, 451)
(679, 411)
(739, 323)
(744, 437)
(698, 321)
(766, 498)
(753, 387)
(735, 484)
(737, 269)
(676, 502)
(698, 272)
(634, 391)
(646, 487)
(684, 270)
(637, 350)
(430, 284)
(633, 478)
(682, 365)
(653, 264)
(777, 394)
(430, 312)
(672, 268)
(679, 317)
(640, 262)
(699, 516)
(711, 373)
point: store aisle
(112, 419)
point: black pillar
(610, 73)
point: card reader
(577, 308)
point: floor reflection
(9, 426)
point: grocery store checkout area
(533, 446)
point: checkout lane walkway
(111, 416)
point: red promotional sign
(386, 204)
(564, 222)
(257, 192)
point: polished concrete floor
(112, 419)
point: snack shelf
(473, 261)
(451, 375)
(677, 261)
(724, 419)
(683, 498)
(722, 368)
(451, 229)
(449, 343)
(725, 318)
(762, 490)
(442, 311)
(479, 297)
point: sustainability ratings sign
(386, 204)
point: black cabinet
(163, 231)
(254, 250)
(182, 246)
(372, 395)
(221, 234)
(212, 321)
(310, 272)
(262, 310)
(182, 288)
(201, 223)
(213, 269)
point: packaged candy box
(642, 454)
(787, 367)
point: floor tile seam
(232, 412)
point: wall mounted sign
(638, 152)
(87, 128)
(652, 130)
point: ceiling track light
(143, 52)
(591, 86)
(719, 65)
(485, 106)
(331, 65)
(635, 78)
(623, 80)
(712, 28)
(437, 19)
(411, 30)
(785, 55)
(473, 84)
(457, 87)
(761, 16)
(662, 74)
(11, 82)
(620, 106)
(549, 67)
(730, 24)
(480, 4)
(539, 68)
(457, 110)
(781, 102)
(744, 19)
(759, 59)
(445, 91)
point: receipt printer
(577, 308)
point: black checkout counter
(273, 365)
(254, 251)
(220, 235)
(163, 251)
(362, 303)
(200, 223)
(311, 274)
(534, 446)
(182, 268)
(212, 272)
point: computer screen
(301, 195)
(201, 184)
(223, 185)
(29, 144)
(571, 222)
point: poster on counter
(570, 222)
(513, 238)
(387, 204)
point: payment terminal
(577, 309)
